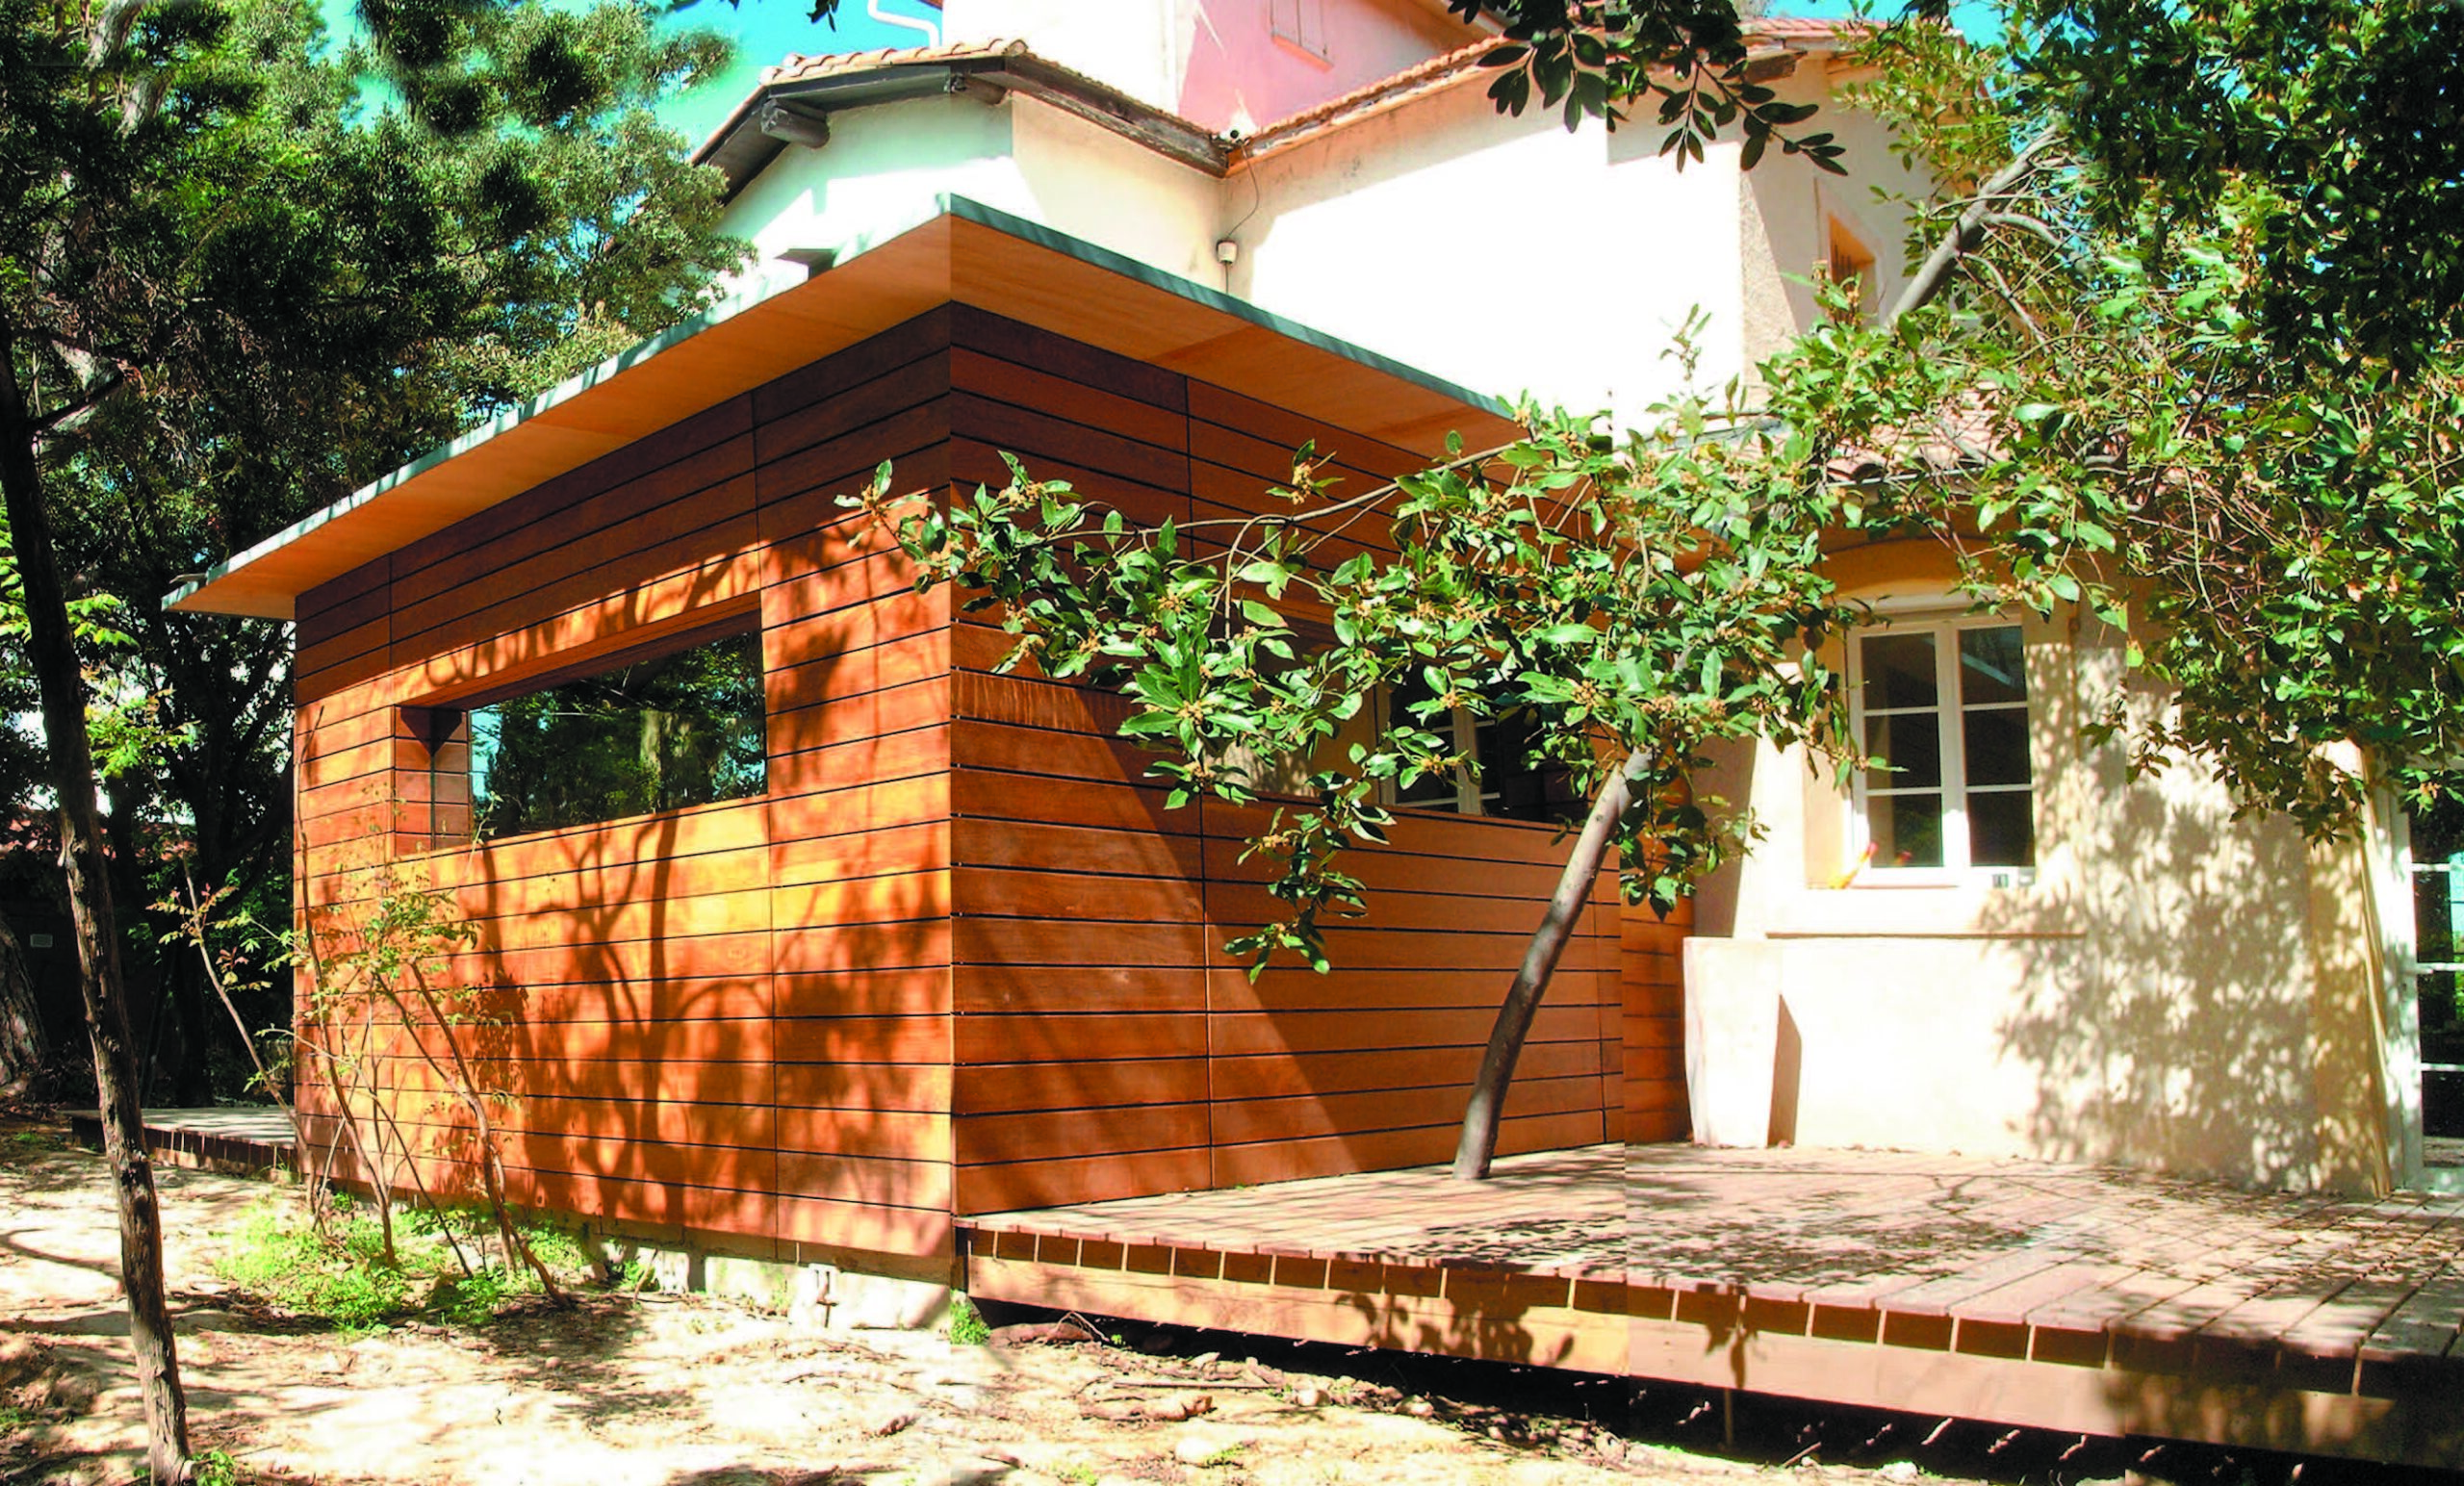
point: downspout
(932, 33)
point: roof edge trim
(881, 233)
(717, 313)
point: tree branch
(1968, 231)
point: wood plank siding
(1652, 970)
(959, 957)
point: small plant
(12, 1420)
(471, 1299)
(340, 1274)
(345, 1272)
(1228, 1455)
(214, 1467)
(1079, 1472)
(967, 1326)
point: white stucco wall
(2151, 997)
(890, 162)
(1506, 254)
(886, 163)
(1512, 256)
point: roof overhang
(961, 252)
(751, 137)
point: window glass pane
(1998, 745)
(1438, 789)
(1898, 670)
(2001, 828)
(659, 734)
(1907, 829)
(2433, 916)
(1912, 743)
(1992, 665)
(1511, 786)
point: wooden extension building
(950, 953)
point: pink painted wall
(1221, 64)
(1241, 73)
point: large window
(1944, 708)
(657, 733)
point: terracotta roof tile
(1449, 68)
(1009, 62)
(798, 68)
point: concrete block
(1731, 1038)
(827, 1296)
(755, 1281)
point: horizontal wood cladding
(1651, 1030)
(1105, 1044)
(734, 1019)
(959, 956)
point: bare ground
(681, 1391)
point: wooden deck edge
(195, 1149)
(1487, 1315)
(1498, 1317)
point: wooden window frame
(1300, 25)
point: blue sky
(1978, 21)
(768, 30)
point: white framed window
(1299, 24)
(1943, 705)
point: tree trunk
(51, 652)
(1480, 1140)
(25, 1053)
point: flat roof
(958, 251)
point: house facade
(923, 942)
(2135, 974)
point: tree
(1690, 61)
(2334, 126)
(2274, 522)
(229, 291)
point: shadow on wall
(2152, 997)
(2191, 1027)
(730, 1021)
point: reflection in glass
(1997, 745)
(2001, 828)
(1992, 665)
(1907, 829)
(1899, 670)
(677, 729)
(1910, 743)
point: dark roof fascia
(739, 148)
(1167, 134)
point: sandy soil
(680, 1390)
